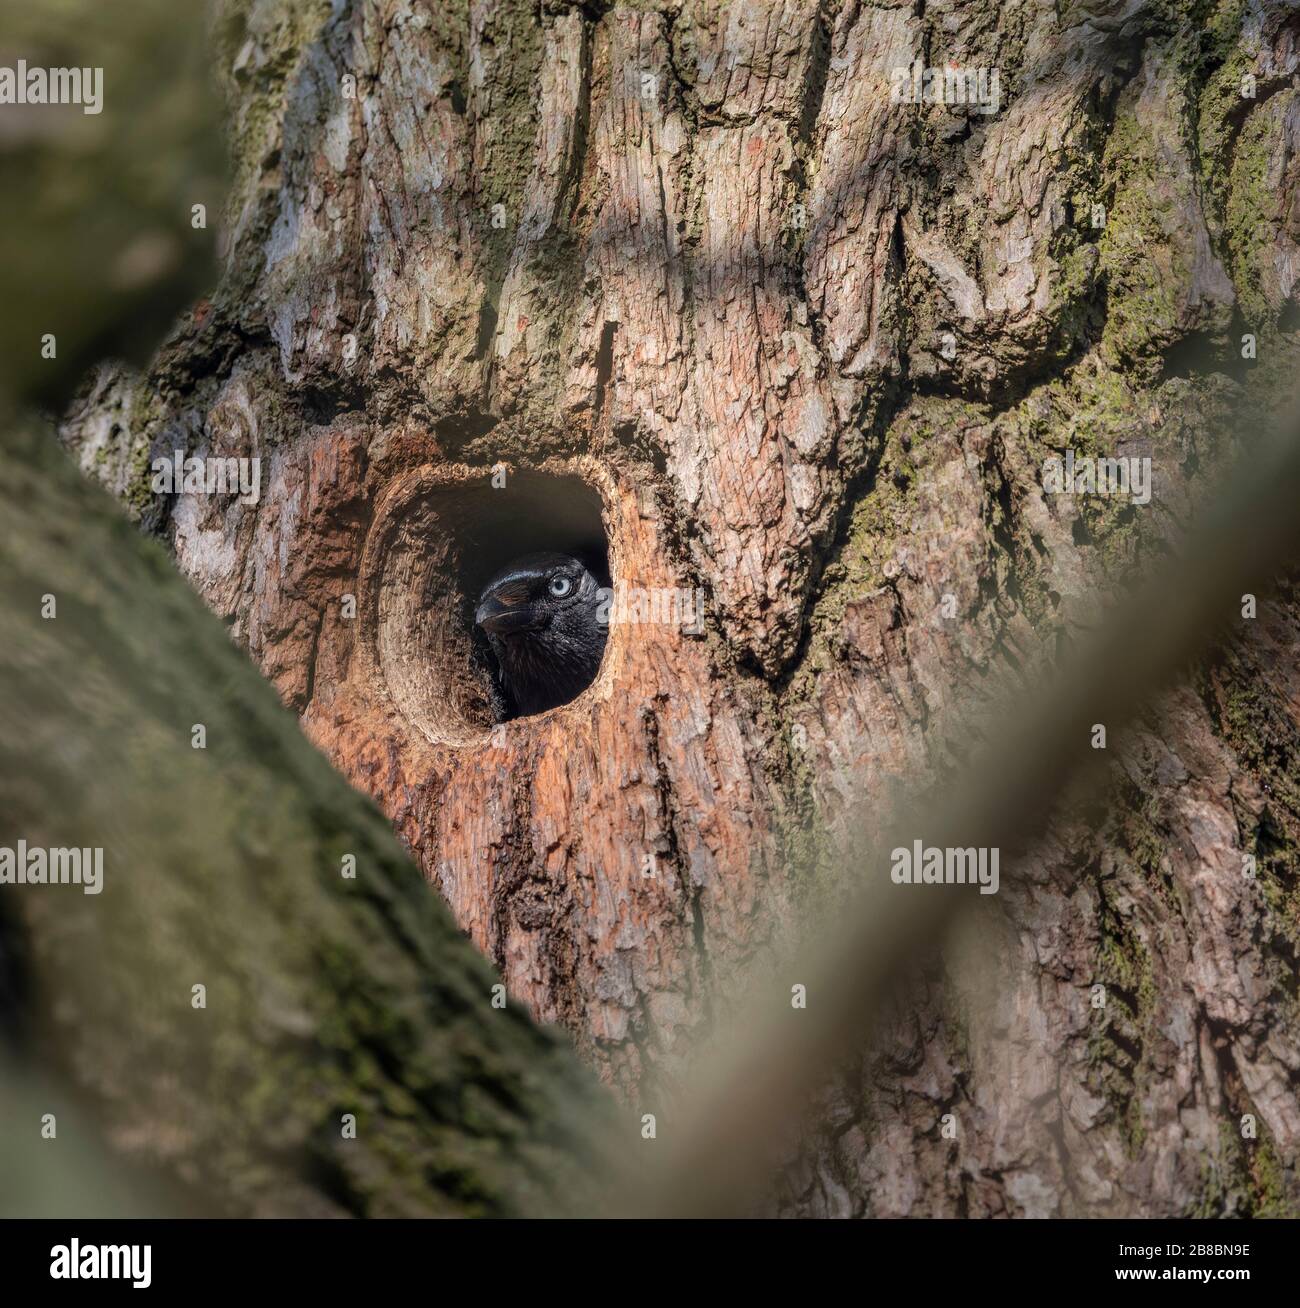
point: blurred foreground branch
(747, 1095)
(324, 997)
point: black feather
(547, 646)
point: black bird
(544, 615)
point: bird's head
(542, 616)
(536, 592)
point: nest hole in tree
(436, 547)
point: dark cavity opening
(443, 544)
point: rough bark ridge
(811, 347)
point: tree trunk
(684, 284)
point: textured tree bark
(807, 348)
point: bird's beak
(504, 619)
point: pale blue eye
(560, 587)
